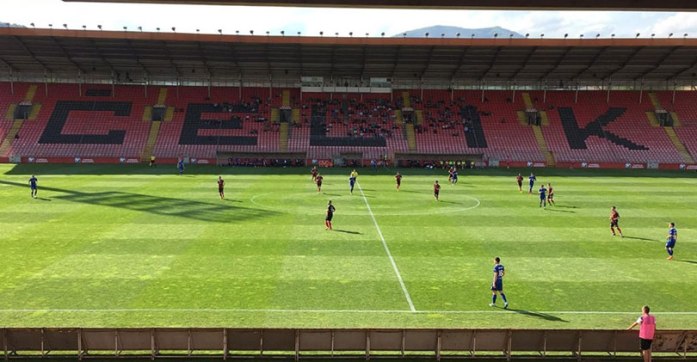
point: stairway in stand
(155, 125)
(406, 100)
(670, 131)
(286, 98)
(537, 130)
(17, 123)
(411, 137)
(283, 134)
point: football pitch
(132, 246)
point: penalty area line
(387, 250)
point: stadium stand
(66, 120)
(592, 129)
(74, 125)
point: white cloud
(679, 23)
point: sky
(310, 21)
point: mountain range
(441, 31)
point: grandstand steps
(679, 145)
(161, 99)
(542, 145)
(10, 115)
(676, 119)
(147, 114)
(419, 117)
(283, 134)
(286, 98)
(10, 137)
(528, 101)
(399, 118)
(544, 119)
(162, 96)
(152, 140)
(31, 92)
(18, 123)
(521, 118)
(275, 115)
(411, 137)
(295, 116)
(406, 100)
(652, 119)
(655, 101)
(169, 114)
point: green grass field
(118, 246)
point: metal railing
(358, 343)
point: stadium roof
(663, 5)
(175, 56)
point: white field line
(329, 311)
(387, 250)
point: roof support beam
(556, 64)
(658, 63)
(396, 61)
(461, 63)
(592, 63)
(428, 62)
(31, 54)
(201, 55)
(67, 56)
(7, 64)
(525, 63)
(625, 63)
(101, 56)
(684, 70)
(365, 61)
(493, 62)
(136, 56)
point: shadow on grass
(156, 205)
(686, 261)
(450, 202)
(567, 207)
(638, 238)
(545, 316)
(347, 232)
(552, 208)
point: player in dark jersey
(436, 190)
(314, 172)
(615, 221)
(352, 180)
(180, 166)
(519, 179)
(531, 180)
(330, 215)
(33, 186)
(671, 239)
(497, 283)
(221, 187)
(543, 196)
(398, 179)
(550, 194)
(318, 181)
(453, 179)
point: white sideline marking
(332, 311)
(387, 250)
